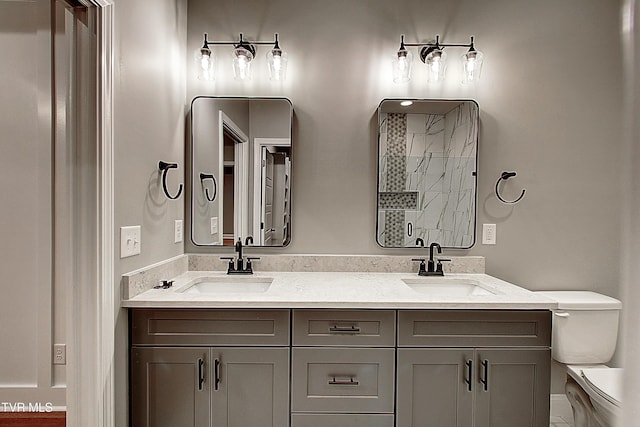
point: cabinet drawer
(353, 328)
(342, 380)
(209, 327)
(341, 420)
(473, 328)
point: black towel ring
(204, 176)
(503, 177)
(164, 167)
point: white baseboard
(560, 407)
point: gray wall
(549, 110)
(149, 126)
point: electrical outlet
(177, 229)
(214, 225)
(130, 241)
(488, 234)
(59, 354)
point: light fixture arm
(250, 46)
(427, 48)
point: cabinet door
(250, 387)
(169, 387)
(435, 387)
(514, 387)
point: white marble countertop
(340, 290)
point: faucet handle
(439, 264)
(423, 268)
(230, 259)
(249, 267)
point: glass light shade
(205, 60)
(242, 63)
(402, 66)
(436, 65)
(277, 61)
(471, 66)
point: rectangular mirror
(427, 161)
(241, 171)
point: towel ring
(204, 176)
(164, 167)
(503, 177)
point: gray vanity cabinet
(343, 368)
(431, 388)
(517, 393)
(473, 368)
(168, 388)
(233, 370)
(250, 388)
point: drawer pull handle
(349, 381)
(216, 374)
(484, 379)
(200, 373)
(468, 379)
(345, 329)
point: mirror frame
(474, 173)
(193, 183)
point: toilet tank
(585, 326)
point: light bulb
(436, 65)
(205, 60)
(242, 63)
(471, 66)
(277, 61)
(402, 66)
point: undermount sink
(442, 286)
(228, 285)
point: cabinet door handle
(345, 329)
(468, 379)
(484, 378)
(216, 374)
(344, 381)
(200, 373)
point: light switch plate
(130, 241)
(214, 225)
(177, 228)
(488, 234)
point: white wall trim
(90, 382)
(560, 407)
(106, 304)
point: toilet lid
(607, 382)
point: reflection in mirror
(240, 171)
(427, 157)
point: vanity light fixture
(243, 54)
(434, 56)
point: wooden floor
(33, 419)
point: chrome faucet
(239, 267)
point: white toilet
(585, 331)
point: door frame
(91, 371)
(258, 144)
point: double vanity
(341, 341)
(345, 348)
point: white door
(267, 197)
